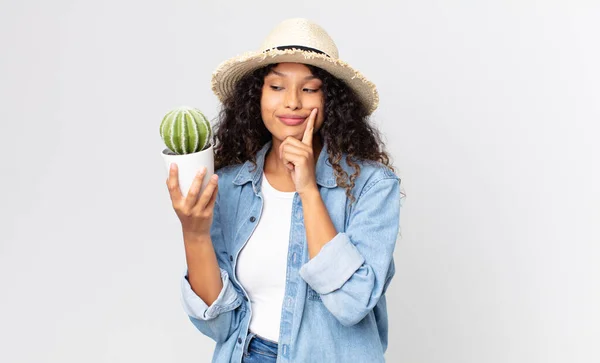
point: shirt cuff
(195, 307)
(335, 263)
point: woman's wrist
(196, 238)
(309, 194)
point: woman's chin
(284, 135)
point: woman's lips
(291, 121)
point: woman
(289, 247)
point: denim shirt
(334, 306)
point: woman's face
(289, 94)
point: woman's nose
(292, 100)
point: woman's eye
(276, 88)
(310, 90)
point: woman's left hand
(298, 158)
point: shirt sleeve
(351, 271)
(333, 265)
(195, 307)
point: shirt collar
(324, 171)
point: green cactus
(186, 130)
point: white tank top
(262, 263)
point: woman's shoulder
(229, 171)
(371, 171)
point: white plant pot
(189, 164)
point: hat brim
(232, 70)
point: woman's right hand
(195, 213)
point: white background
(489, 109)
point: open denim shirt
(334, 307)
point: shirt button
(240, 340)
(230, 258)
(252, 219)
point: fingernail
(172, 166)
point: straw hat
(300, 41)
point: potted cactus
(188, 136)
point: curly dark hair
(240, 131)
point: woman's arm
(207, 293)
(204, 274)
(318, 224)
(352, 269)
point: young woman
(289, 247)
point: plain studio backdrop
(489, 109)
